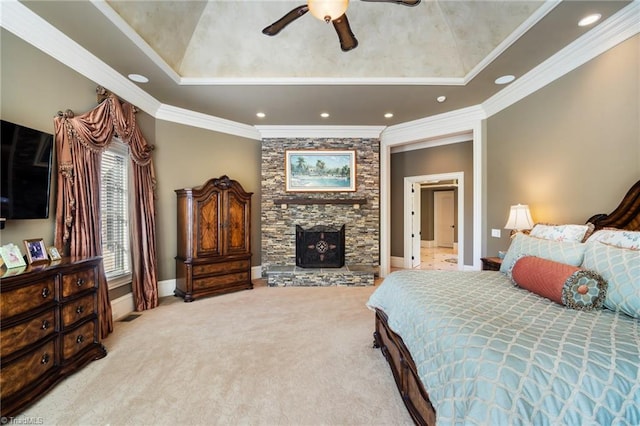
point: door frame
(408, 182)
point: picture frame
(54, 254)
(12, 256)
(320, 170)
(36, 251)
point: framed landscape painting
(320, 171)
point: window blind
(114, 198)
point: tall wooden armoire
(214, 239)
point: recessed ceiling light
(589, 19)
(138, 78)
(261, 115)
(505, 79)
(441, 99)
(324, 115)
(388, 115)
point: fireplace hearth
(320, 247)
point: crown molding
(615, 30)
(319, 81)
(449, 123)
(436, 141)
(22, 22)
(204, 121)
(269, 132)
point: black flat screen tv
(25, 162)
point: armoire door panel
(207, 231)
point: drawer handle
(80, 282)
(80, 339)
(45, 359)
(45, 292)
(45, 324)
(79, 309)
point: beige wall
(186, 157)
(571, 149)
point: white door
(415, 225)
(443, 216)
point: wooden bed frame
(412, 391)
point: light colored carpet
(267, 356)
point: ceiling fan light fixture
(327, 10)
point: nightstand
(491, 263)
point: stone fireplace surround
(281, 211)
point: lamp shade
(327, 10)
(519, 218)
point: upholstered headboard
(625, 216)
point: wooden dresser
(214, 239)
(49, 327)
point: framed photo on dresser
(36, 251)
(11, 256)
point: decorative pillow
(617, 238)
(621, 268)
(568, 252)
(562, 232)
(567, 285)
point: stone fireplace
(282, 211)
(319, 247)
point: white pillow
(561, 232)
(617, 238)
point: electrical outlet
(495, 233)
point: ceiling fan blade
(347, 39)
(403, 2)
(277, 26)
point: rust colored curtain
(80, 142)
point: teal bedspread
(489, 353)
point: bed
(484, 347)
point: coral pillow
(567, 285)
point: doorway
(412, 215)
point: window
(114, 198)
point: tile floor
(438, 258)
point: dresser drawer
(222, 267)
(223, 280)
(23, 299)
(78, 339)
(22, 335)
(26, 369)
(76, 310)
(78, 281)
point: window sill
(118, 281)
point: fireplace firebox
(319, 247)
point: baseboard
(122, 306)
(397, 262)
(256, 272)
(166, 287)
(427, 243)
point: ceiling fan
(333, 11)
